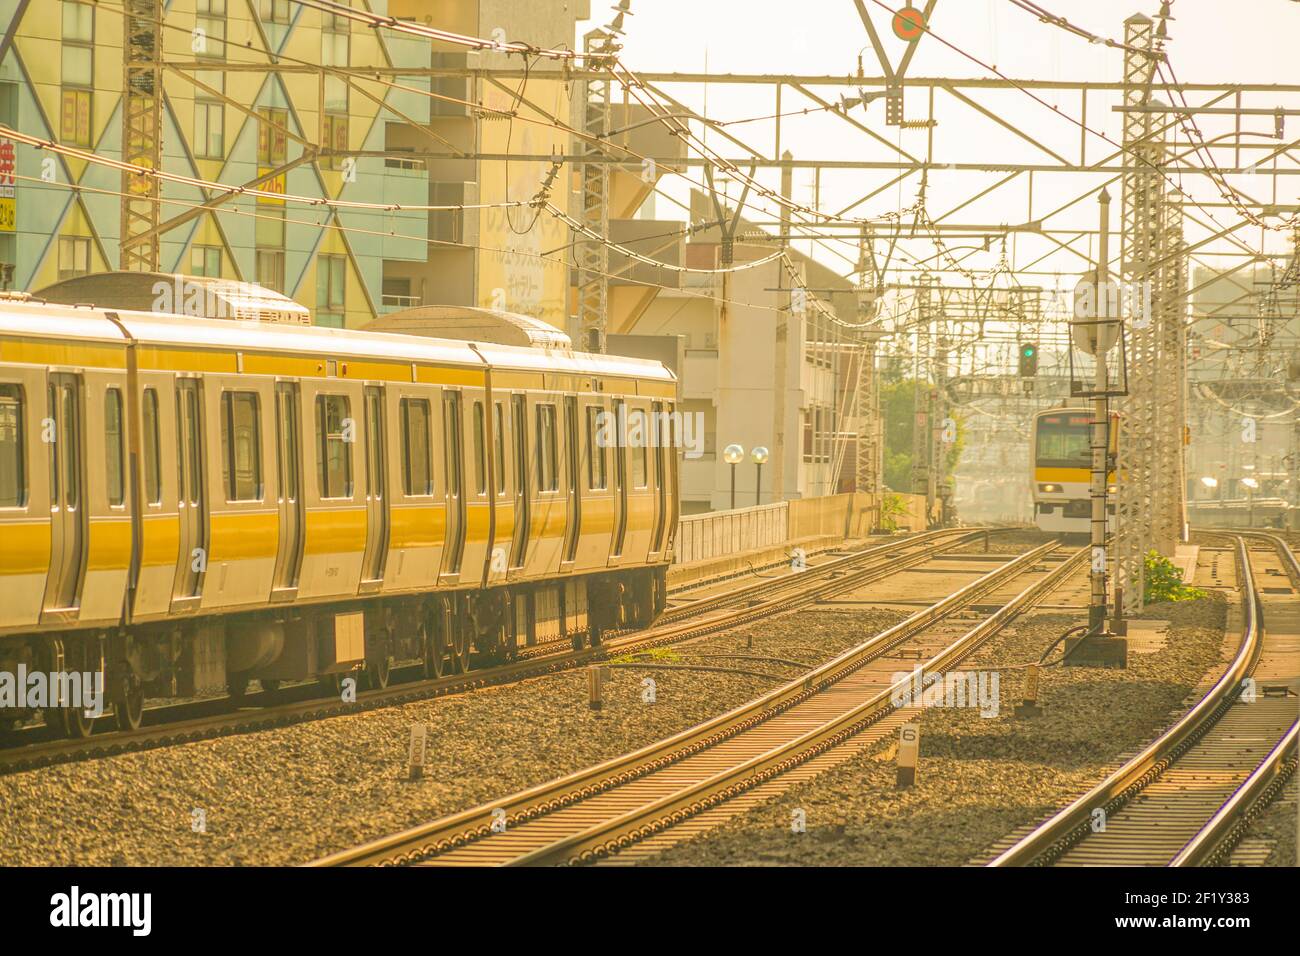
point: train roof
(34, 318)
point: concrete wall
(722, 533)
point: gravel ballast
(979, 778)
(293, 794)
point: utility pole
(1140, 225)
(867, 407)
(593, 255)
(782, 345)
(922, 434)
(142, 98)
(1100, 420)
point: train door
(372, 571)
(617, 443)
(656, 437)
(67, 486)
(573, 528)
(288, 433)
(193, 520)
(454, 459)
(519, 431)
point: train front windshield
(1063, 441)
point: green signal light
(1029, 351)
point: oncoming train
(1061, 464)
(191, 503)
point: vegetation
(1164, 581)
(898, 411)
(891, 509)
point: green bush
(892, 507)
(1164, 581)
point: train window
(548, 478)
(597, 439)
(53, 444)
(480, 450)
(333, 445)
(71, 441)
(13, 465)
(417, 471)
(241, 445)
(638, 439)
(114, 472)
(1063, 441)
(152, 462)
(499, 438)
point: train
(192, 503)
(1061, 468)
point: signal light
(1028, 360)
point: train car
(1061, 466)
(190, 504)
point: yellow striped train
(194, 503)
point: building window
(209, 116)
(210, 17)
(241, 459)
(74, 257)
(272, 144)
(114, 470)
(335, 139)
(274, 11)
(13, 459)
(331, 281)
(334, 456)
(417, 470)
(335, 44)
(78, 56)
(270, 269)
(205, 261)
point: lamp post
(759, 454)
(1251, 484)
(733, 455)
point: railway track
(1188, 796)
(594, 814)
(184, 723)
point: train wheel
(237, 687)
(437, 627)
(461, 642)
(331, 684)
(128, 704)
(76, 724)
(380, 669)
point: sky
(1210, 41)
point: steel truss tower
(593, 256)
(1154, 274)
(141, 133)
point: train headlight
(1050, 489)
(1111, 489)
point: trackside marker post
(597, 674)
(1029, 707)
(909, 749)
(416, 754)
